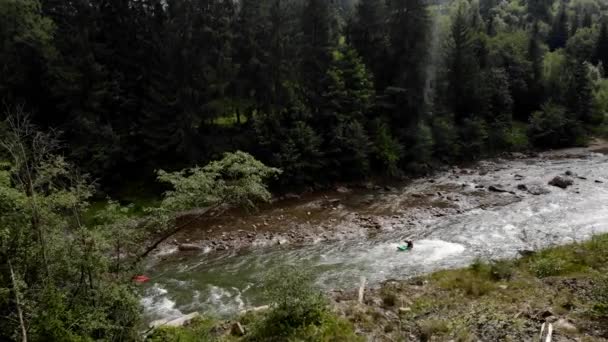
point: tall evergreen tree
(368, 34)
(318, 37)
(601, 49)
(559, 29)
(463, 68)
(409, 25)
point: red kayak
(140, 279)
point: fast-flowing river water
(223, 284)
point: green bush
(299, 312)
(197, 331)
(547, 266)
(501, 270)
(600, 296)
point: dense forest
(327, 91)
(321, 91)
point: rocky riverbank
(365, 210)
(562, 289)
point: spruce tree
(368, 34)
(601, 49)
(558, 36)
(409, 24)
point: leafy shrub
(600, 296)
(432, 327)
(389, 298)
(501, 270)
(197, 331)
(552, 127)
(516, 138)
(299, 312)
(547, 266)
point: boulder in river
(497, 188)
(535, 190)
(342, 189)
(561, 182)
(291, 196)
(189, 247)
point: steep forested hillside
(325, 90)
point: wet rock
(569, 173)
(519, 177)
(417, 195)
(330, 203)
(565, 326)
(497, 188)
(546, 313)
(598, 181)
(479, 186)
(537, 190)
(522, 187)
(561, 182)
(390, 189)
(188, 247)
(237, 329)
(581, 177)
(292, 196)
(526, 252)
(431, 181)
(342, 189)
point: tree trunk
(18, 304)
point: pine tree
(601, 49)
(463, 68)
(559, 29)
(580, 93)
(368, 34)
(318, 37)
(347, 100)
(535, 56)
(409, 24)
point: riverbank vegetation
(65, 279)
(504, 300)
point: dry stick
(175, 231)
(18, 303)
(361, 290)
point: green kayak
(402, 248)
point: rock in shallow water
(561, 182)
(189, 247)
(497, 188)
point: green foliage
(236, 179)
(199, 330)
(600, 307)
(387, 150)
(552, 127)
(60, 274)
(474, 135)
(299, 312)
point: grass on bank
(504, 300)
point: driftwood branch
(361, 290)
(176, 230)
(18, 304)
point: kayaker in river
(410, 244)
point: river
(475, 223)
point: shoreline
(355, 212)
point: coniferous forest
(314, 92)
(326, 90)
